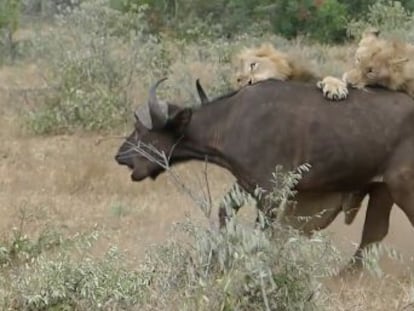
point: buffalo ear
(179, 119)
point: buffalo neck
(204, 136)
(205, 140)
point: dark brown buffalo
(349, 144)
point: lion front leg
(333, 88)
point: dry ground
(73, 183)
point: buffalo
(362, 145)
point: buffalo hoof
(353, 268)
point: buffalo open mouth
(139, 175)
(125, 160)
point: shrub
(9, 23)
(329, 24)
(61, 282)
(389, 16)
(97, 59)
(89, 58)
(241, 268)
(48, 8)
(324, 21)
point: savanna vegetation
(76, 234)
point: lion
(265, 62)
(385, 63)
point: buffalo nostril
(120, 159)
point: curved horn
(158, 116)
(203, 97)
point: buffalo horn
(158, 114)
(201, 93)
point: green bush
(322, 20)
(58, 281)
(9, 23)
(329, 24)
(89, 59)
(389, 16)
(242, 268)
(99, 64)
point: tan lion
(386, 63)
(264, 62)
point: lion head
(265, 62)
(386, 63)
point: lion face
(254, 69)
(262, 63)
(379, 62)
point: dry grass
(71, 182)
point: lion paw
(333, 88)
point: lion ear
(398, 61)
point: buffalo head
(158, 128)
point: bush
(321, 20)
(48, 8)
(90, 59)
(96, 60)
(9, 23)
(61, 282)
(389, 16)
(241, 268)
(329, 24)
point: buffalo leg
(377, 221)
(400, 180)
(352, 204)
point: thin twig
(209, 198)
(101, 139)
(152, 154)
(265, 300)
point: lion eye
(253, 65)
